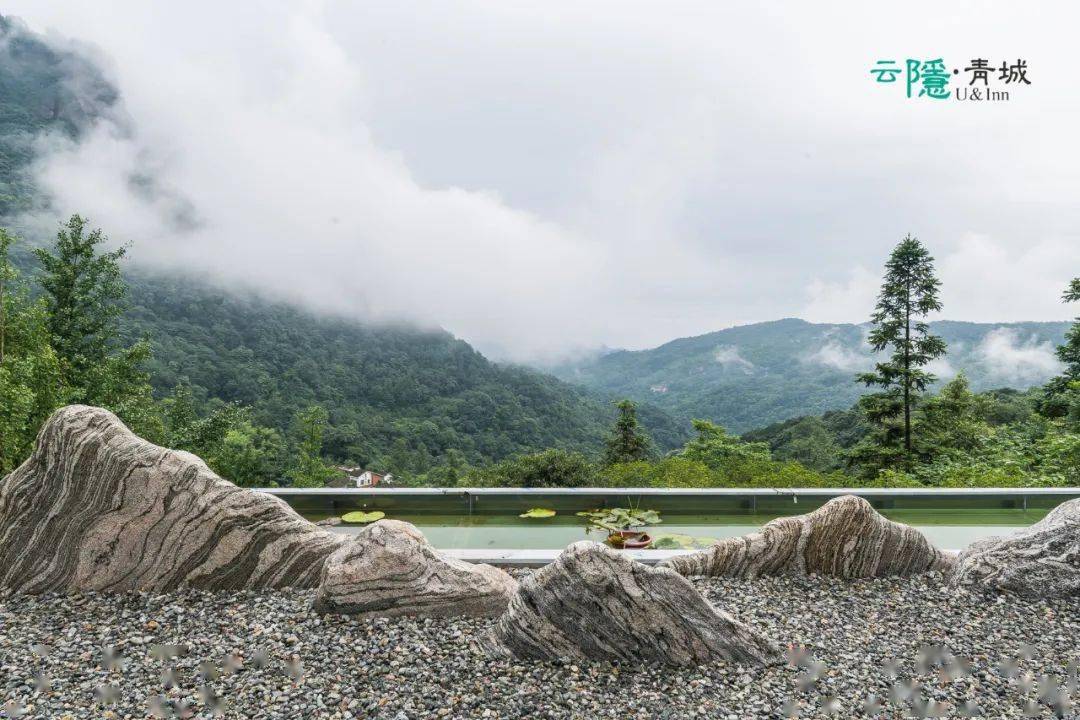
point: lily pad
(359, 516)
(538, 513)
(671, 541)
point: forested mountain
(754, 375)
(402, 396)
(399, 398)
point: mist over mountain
(399, 395)
(753, 375)
(54, 100)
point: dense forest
(398, 398)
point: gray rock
(329, 522)
(1042, 560)
(96, 507)
(390, 569)
(595, 603)
(845, 538)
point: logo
(930, 79)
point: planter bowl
(629, 539)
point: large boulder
(1042, 560)
(595, 603)
(390, 569)
(98, 508)
(845, 537)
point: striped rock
(595, 603)
(845, 537)
(1042, 560)
(98, 508)
(390, 569)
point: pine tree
(627, 442)
(85, 292)
(908, 294)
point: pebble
(887, 648)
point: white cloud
(941, 368)
(1011, 359)
(836, 355)
(729, 357)
(983, 279)
(986, 279)
(843, 300)
(540, 178)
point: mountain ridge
(749, 376)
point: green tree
(84, 296)
(30, 382)
(713, 446)
(627, 442)
(953, 421)
(1061, 394)
(310, 470)
(250, 456)
(550, 468)
(85, 293)
(186, 429)
(908, 294)
(7, 276)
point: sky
(543, 179)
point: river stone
(390, 569)
(595, 603)
(1042, 560)
(96, 507)
(845, 537)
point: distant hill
(754, 375)
(400, 396)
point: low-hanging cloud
(730, 357)
(540, 181)
(1012, 359)
(841, 357)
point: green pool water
(946, 528)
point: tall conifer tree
(909, 293)
(627, 442)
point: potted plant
(622, 526)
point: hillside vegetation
(755, 375)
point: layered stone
(390, 569)
(96, 507)
(845, 537)
(596, 603)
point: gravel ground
(921, 648)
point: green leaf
(359, 516)
(671, 541)
(538, 513)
